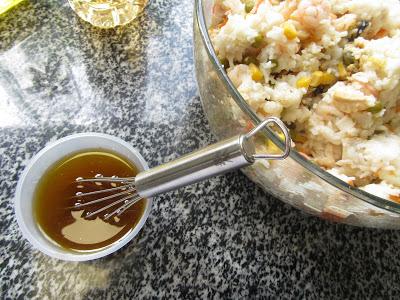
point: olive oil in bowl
(54, 201)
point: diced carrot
(249, 126)
(395, 198)
(381, 33)
(223, 22)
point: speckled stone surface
(223, 238)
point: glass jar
(108, 13)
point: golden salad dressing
(53, 200)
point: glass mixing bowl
(296, 180)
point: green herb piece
(376, 108)
(348, 58)
(258, 41)
(275, 64)
(250, 60)
(249, 4)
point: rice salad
(330, 70)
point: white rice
(350, 125)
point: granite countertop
(223, 238)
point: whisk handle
(196, 166)
(233, 153)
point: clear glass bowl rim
(385, 204)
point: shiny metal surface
(196, 166)
(287, 140)
(218, 158)
(229, 154)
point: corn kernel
(378, 62)
(303, 82)
(271, 147)
(289, 31)
(327, 79)
(256, 73)
(342, 71)
(316, 78)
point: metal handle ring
(282, 127)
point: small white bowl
(36, 169)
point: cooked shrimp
(219, 15)
(345, 22)
(289, 7)
(310, 13)
(367, 88)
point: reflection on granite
(223, 238)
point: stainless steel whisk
(218, 158)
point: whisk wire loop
(128, 191)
